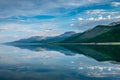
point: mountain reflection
(99, 53)
(41, 47)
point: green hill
(101, 33)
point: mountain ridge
(42, 39)
(100, 33)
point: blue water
(42, 63)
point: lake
(66, 62)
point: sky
(26, 18)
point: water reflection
(47, 62)
(100, 53)
(41, 47)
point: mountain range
(100, 33)
(42, 39)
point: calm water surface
(59, 63)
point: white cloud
(115, 4)
(71, 24)
(97, 11)
(109, 16)
(101, 12)
(100, 18)
(91, 18)
(80, 18)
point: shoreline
(92, 43)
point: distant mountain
(114, 23)
(42, 39)
(100, 33)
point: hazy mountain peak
(114, 23)
(70, 32)
(44, 39)
(67, 33)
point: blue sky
(25, 18)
